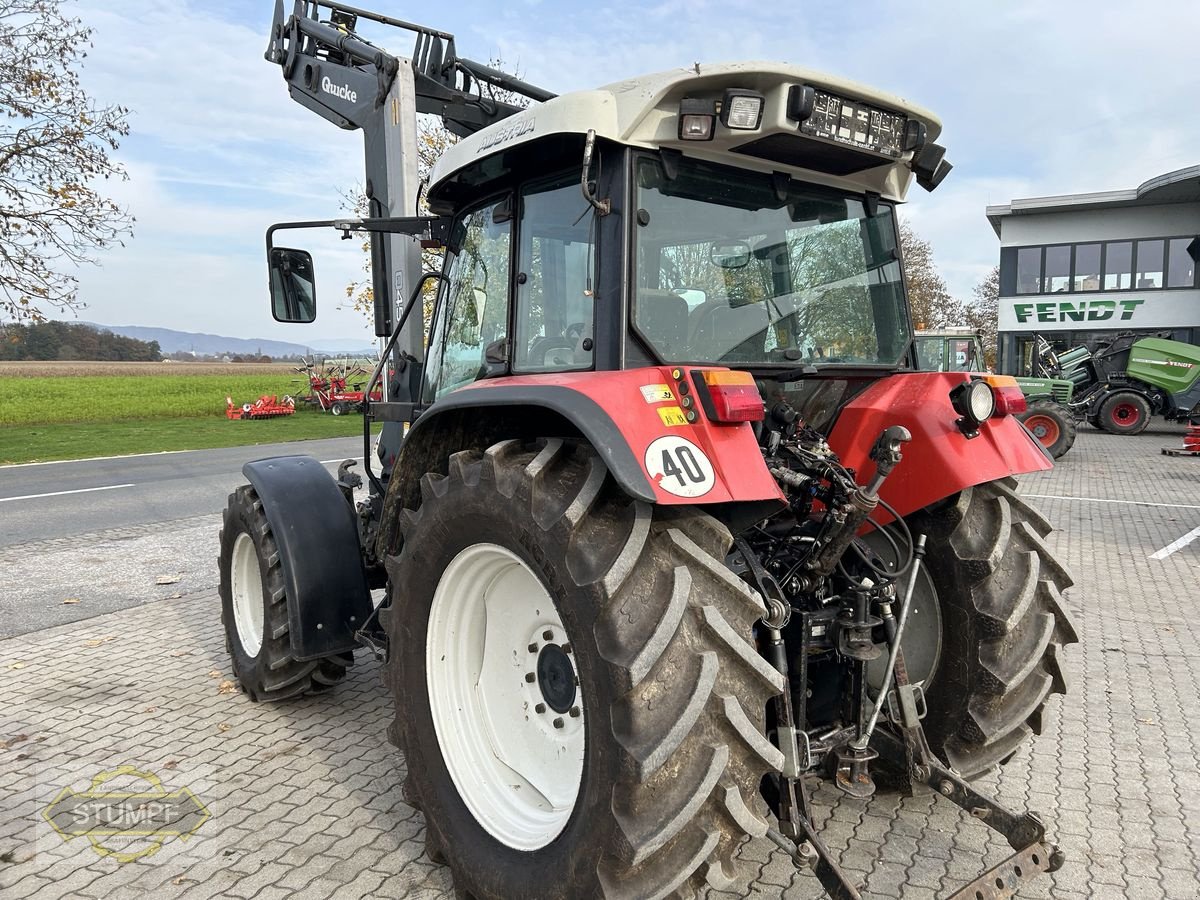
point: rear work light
(741, 110)
(729, 396)
(697, 119)
(1010, 399)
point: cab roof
(644, 112)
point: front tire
(1003, 625)
(1052, 424)
(254, 610)
(671, 691)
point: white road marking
(108, 487)
(1103, 500)
(1176, 545)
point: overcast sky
(1036, 98)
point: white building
(1082, 268)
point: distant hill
(172, 341)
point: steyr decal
(679, 467)
(672, 416)
(656, 393)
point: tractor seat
(663, 317)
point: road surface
(112, 533)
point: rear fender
(940, 460)
(634, 419)
(317, 536)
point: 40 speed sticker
(679, 467)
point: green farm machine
(1121, 384)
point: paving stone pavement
(304, 797)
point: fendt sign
(1161, 309)
(1078, 311)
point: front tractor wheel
(577, 692)
(1002, 625)
(254, 610)
(1052, 424)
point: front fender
(317, 538)
(940, 460)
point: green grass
(39, 443)
(50, 417)
(46, 400)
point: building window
(1058, 270)
(1029, 270)
(1149, 264)
(1181, 268)
(1087, 267)
(1118, 266)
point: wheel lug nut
(547, 635)
(540, 708)
(558, 723)
(566, 648)
(530, 677)
(574, 712)
(533, 648)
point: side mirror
(293, 285)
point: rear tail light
(729, 396)
(1010, 399)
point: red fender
(940, 460)
(720, 463)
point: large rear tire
(1003, 625)
(1125, 413)
(1052, 424)
(671, 693)
(254, 610)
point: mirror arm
(435, 229)
(376, 375)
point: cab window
(555, 274)
(472, 318)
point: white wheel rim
(245, 584)
(517, 770)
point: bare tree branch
(54, 145)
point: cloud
(1036, 98)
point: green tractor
(1127, 380)
(1048, 414)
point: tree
(984, 314)
(54, 144)
(930, 300)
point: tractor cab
(737, 215)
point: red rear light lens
(1010, 399)
(732, 397)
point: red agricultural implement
(1191, 442)
(268, 406)
(328, 388)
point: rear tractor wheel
(254, 610)
(998, 593)
(577, 692)
(1052, 424)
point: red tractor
(665, 518)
